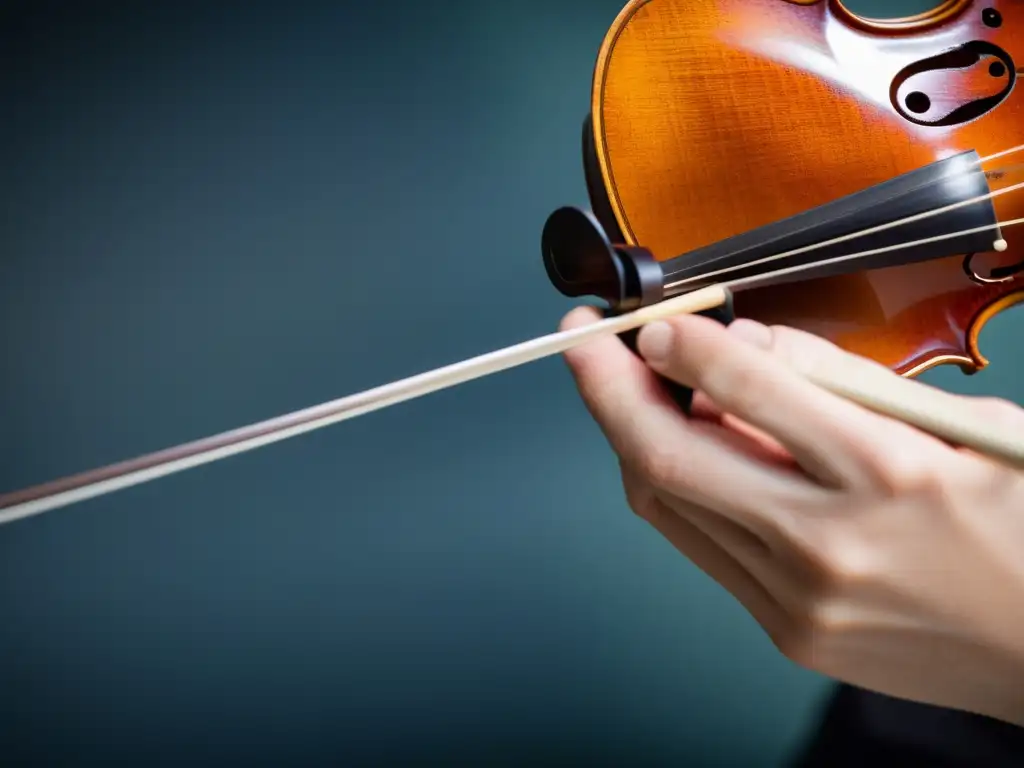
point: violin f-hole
(954, 87)
(996, 274)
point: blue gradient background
(213, 213)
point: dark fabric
(860, 728)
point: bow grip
(680, 394)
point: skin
(868, 551)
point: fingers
(750, 372)
(793, 580)
(994, 409)
(909, 454)
(751, 554)
(685, 456)
(605, 370)
(705, 553)
(744, 565)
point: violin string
(752, 280)
(862, 233)
(105, 480)
(676, 284)
(1004, 153)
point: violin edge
(918, 22)
(605, 178)
(974, 361)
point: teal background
(214, 213)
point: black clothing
(861, 728)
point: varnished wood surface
(712, 117)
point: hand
(868, 551)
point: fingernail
(578, 318)
(655, 342)
(752, 332)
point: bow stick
(875, 388)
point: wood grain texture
(713, 117)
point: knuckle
(741, 389)
(660, 466)
(645, 508)
(847, 564)
(799, 642)
(784, 521)
(840, 561)
(778, 524)
(901, 474)
(825, 617)
(794, 344)
(808, 634)
(805, 351)
(640, 497)
(981, 481)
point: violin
(788, 161)
(719, 128)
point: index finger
(646, 429)
(832, 437)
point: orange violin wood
(713, 117)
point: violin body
(710, 118)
